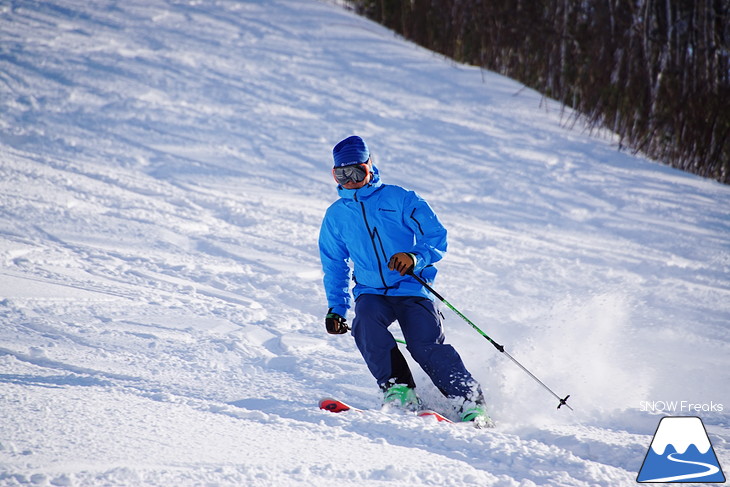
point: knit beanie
(352, 150)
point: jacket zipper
(372, 235)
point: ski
(427, 413)
(336, 406)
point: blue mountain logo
(681, 452)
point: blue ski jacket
(366, 226)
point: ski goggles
(354, 173)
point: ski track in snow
(164, 167)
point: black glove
(336, 324)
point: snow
(164, 168)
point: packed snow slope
(164, 168)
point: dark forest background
(656, 72)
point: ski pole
(490, 340)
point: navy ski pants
(420, 321)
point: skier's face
(360, 184)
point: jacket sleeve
(334, 256)
(431, 243)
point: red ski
(427, 413)
(335, 406)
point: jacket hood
(363, 192)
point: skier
(389, 233)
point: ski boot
(401, 396)
(476, 413)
